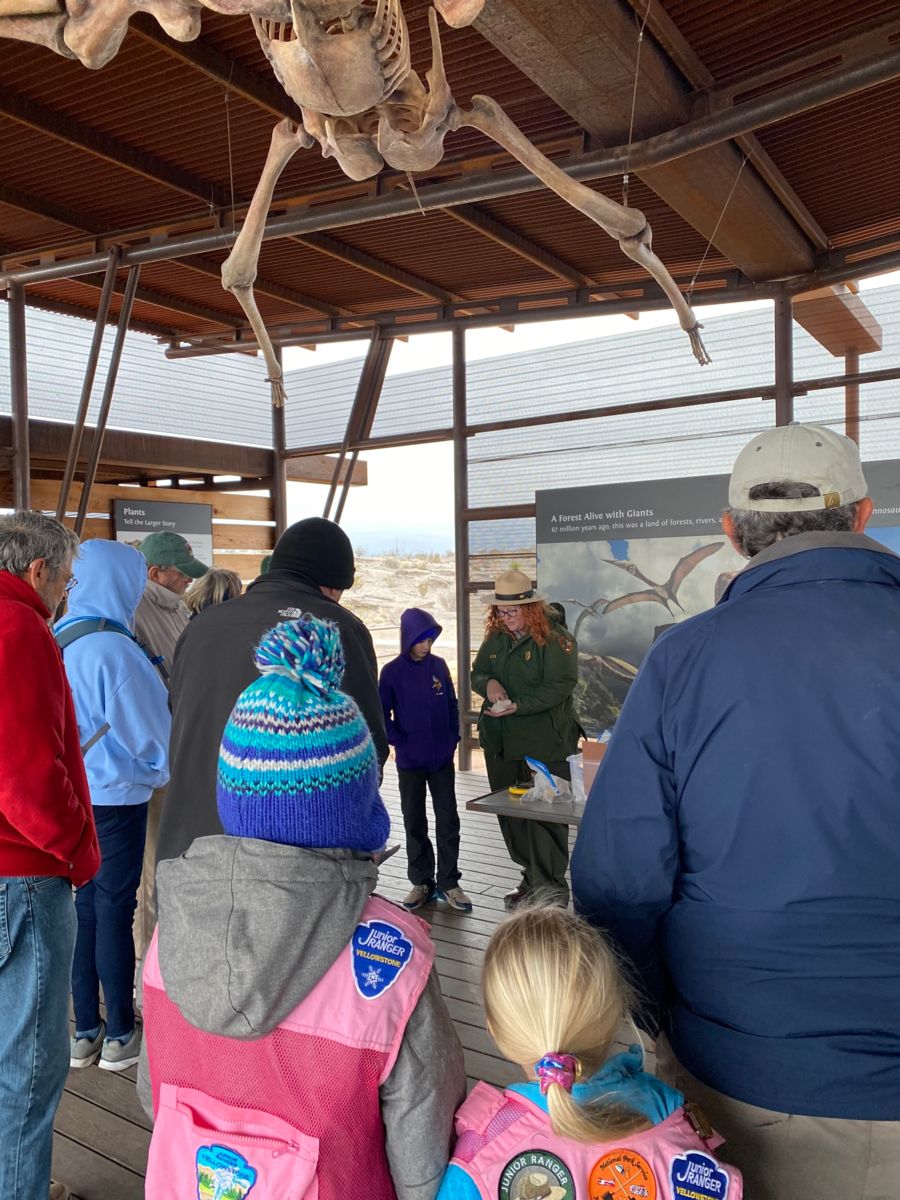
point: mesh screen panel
(326, 1090)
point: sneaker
(456, 898)
(84, 1052)
(514, 898)
(422, 893)
(59, 1191)
(119, 1056)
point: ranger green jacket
(541, 680)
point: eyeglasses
(71, 581)
(510, 612)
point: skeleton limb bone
(93, 30)
(239, 268)
(96, 28)
(627, 225)
(41, 30)
(458, 13)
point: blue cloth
(37, 937)
(113, 681)
(421, 712)
(104, 947)
(623, 1075)
(741, 843)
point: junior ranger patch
(536, 1175)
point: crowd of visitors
(736, 852)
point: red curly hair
(537, 621)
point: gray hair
(26, 535)
(214, 587)
(757, 530)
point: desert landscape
(387, 584)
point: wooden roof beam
(695, 72)
(112, 149)
(838, 319)
(266, 287)
(319, 468)
(510, 239)
(147, 451)
(583, 56)
(37, 206)
(326, 244)
(221, 69)
(77, 220)
(175, 304)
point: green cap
(171, 550)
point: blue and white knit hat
(297, 764)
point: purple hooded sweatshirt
(421, 713)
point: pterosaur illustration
(588, 610)
(618, 668)
(659, 593)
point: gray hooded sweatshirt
(273, 919)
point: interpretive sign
(627, 560)
(135, 519)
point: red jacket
(46, 820)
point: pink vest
(295, 1113)
(507, 1147)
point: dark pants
(540, 848)
(104, 947)
(419, 851)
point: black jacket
(213, 664)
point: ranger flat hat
(512, 588)
(808, 454)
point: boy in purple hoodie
(421, 715)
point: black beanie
(316, 550)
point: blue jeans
(37, 938)
(104, 949)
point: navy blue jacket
(742, 838)
(421, 713)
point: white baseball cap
(808, 454)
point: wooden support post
(18, 369)
(784, 360)
(851, 396)
(461, 525)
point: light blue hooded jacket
(113, 681)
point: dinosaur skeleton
(346, 64)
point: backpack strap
(84, 626)
(92, 741)
(79, 629)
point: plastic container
(593, 754)
(576, 767)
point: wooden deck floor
(102, 1134)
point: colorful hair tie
(564, 1069)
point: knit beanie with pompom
(297, 764)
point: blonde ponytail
(552, 985)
